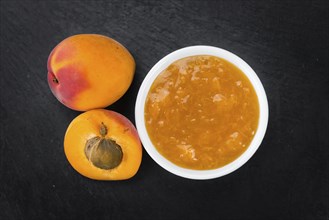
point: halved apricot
(103, 145)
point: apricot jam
(201, 112)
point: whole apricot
(103, 145)
(89, 71)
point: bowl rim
(163, 64)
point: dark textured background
(286, 42)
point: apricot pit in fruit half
(103, 153)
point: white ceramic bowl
(145, 87)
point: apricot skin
(87, 125)
(89, 71)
